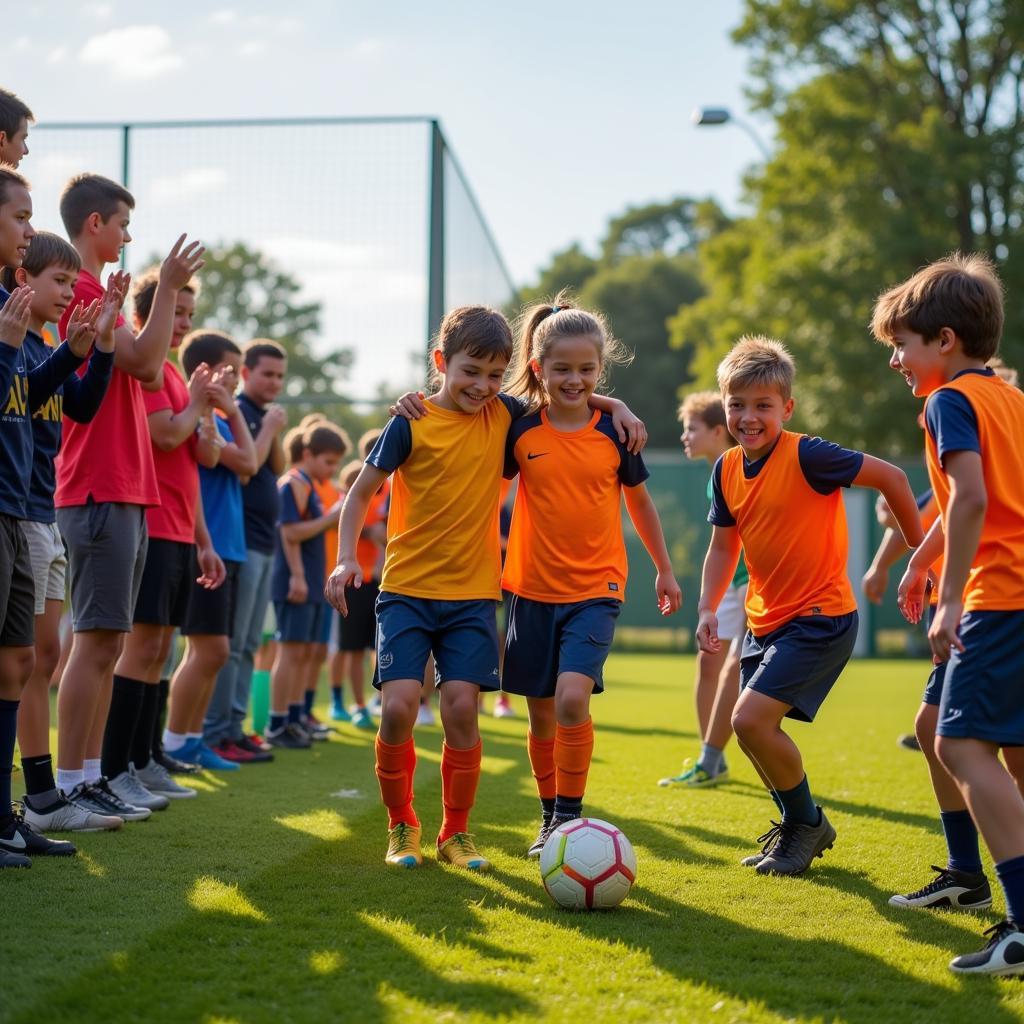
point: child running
(565, 565)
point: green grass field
(266, 898)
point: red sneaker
(258, 741)
(230, 751)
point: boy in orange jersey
(776, 496)
(943, 324)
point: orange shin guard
(542, 763)
(460, 774)
(574, 746)
(396, 767)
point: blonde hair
(1004, 372)
(707, 405)
(540, 326)
(348, 474)
(757, 361)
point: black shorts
(17, 587)
(358, 632)
(212, 612)
(167, 582)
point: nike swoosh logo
(16, 843)
(537, 456)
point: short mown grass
(266, 898)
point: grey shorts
(49, 562)
(106, 554)
(17, 621)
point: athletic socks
(962, 841)
(1011, 878)
(39, 782)
(776, 801)
(712, 759)
(574, 747)
(278, 720)
(122, 720)
(460, 775)
(396, 770)
(542, 764)
(141, 749)
(337, 695)
(8, 733)
(307, 703)
(295, 713)
(92, 770)
(164, 689)
(174, 740)
(68, 778)
(798, 807)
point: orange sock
(396, 768)
(542, 762)
(574, 746)
(460, 773)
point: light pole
(708, 116)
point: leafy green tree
(569, 268)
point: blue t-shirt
(259, 495)
(313, 549)
(222, 504)
(78, 398)
(826, 467)
(951, 420)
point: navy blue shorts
(983, 698)
(544, 640)
(324, 626)
(933, 688)
(300, 623)
(462, 636)
(798, 663)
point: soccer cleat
(425, 716)
(908, 741)
(288, 739)
(315, 729)
(159, 781)
(230, 751)
(768, 841)
(173, 765)
(338, 712)
(361, 719)
(14, 860)
(962, 890)
(128, 787)
(206, 758)
(404, 846)
(99, 797)
(260, 754)
(695, 776)
(797, 846)
(461, 851)
(503, 709)
(255, 740)
(542, 836)
(21, 839)
(1003, 953)
(64, 816)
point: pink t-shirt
(176, 471)
(110, 458)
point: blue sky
(561, 114)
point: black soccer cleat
(797, 846)
(768, 841)
(14, 860)
(1003, 953)
(958, 890)
(542, 836)
(20, 839)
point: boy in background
(15, 117)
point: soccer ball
(587, 864)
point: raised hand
(219, 393)
(275, 418)
(110, 306)
(14, 316)
(181, 263)
(81, 328)
(198, 385)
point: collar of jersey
(548, 425)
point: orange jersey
(328, 495)
(367, 551)
(565, 543)
(443, 540)
(792, 523)
(977, 411)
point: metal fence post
(435, 229)
(126, 140)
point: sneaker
(965, 890)
(338, 712)
(128, 787)
(404, 846)
(461, 851)
(207, 759)
(361, 719)
(1003, 953)
(255, 740)
(171, 764)
(694, 776)
(158, 780)
(542, 836)
(768, 841)
(14, 860)
(259, 753)
(503, 709)
(21, 839)
(64, 816)
(230, 751)
(287, 739)
(424, 716)
(908, 741)
(98, 796)
(315, 729)
(797, 846)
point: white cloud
(99, 11)
(22, 44)
(57, 55)
(367, 48)
(253, 48)
(225, 16)
(195, 182)
(136, 52)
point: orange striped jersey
(443, 540)
(565, 543)
(328, 495)
(977, 411)
(789, 512)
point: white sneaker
(424, 716)
(128, 787)
(159, 781)
(503, 709)
(65, 816)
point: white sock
(194, 735)
(93, 770)
(68, 779)
(174, 740)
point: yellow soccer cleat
(404, 846)
(461, 851)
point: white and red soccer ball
(587, 864)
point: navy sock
(307, 705)
(1011, 877)
(798, 807)
(962, 840)
(776, 801)
(8, 733)
(277, 721)
(295, 713)
(164, 689)
(337, 695)
(568, 806)
(547, 806)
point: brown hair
(757, 361)
(1004, 372)
(706, 406)
(292, 444)
(86, 194)
(349, 473)
(479, 331)
(961, 292)
(12, 112)
(10, 176)
(368, 440)
(325, 437)
(144, 288)
(45, 250)
(205, 346)
(256, 349)
(540, 326)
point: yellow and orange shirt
(328, 495)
